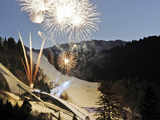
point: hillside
(90, 55)
(128, 73)
(127, 70)
(79, 92)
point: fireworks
(67, 61)
(31, 75)
(26, 63)
(37, 17)
(32, 6)
(40, 54)
(76, 19)
(72, 20)
(35, 8)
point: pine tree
(11, 43)
(111, 108)
(149, 105)
(0, 42)
(19, 48)
(5, 44)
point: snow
(80, 92)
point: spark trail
(31, 75)
(39, 56)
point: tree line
(12, 57)
(136, 66)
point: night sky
(121, 19)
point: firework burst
(69, 20)
(76, 19)
(32, 6)
(67, 61)
(35, 8)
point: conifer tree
(149, 105)
(111, 108)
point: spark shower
(74, 20)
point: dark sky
(121, 19)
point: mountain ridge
(90, 54)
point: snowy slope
(80, 92)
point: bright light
(35, 9)
(66, 61)
(37, 17)
(63, 87)
(31, 85)
(73, 19)
(60, 89)
(64, 13)
(76, 19)
(33, 5)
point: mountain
(90, 55)
(128, 73)
(129, 70)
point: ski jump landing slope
(15, 85)
(80, 92)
